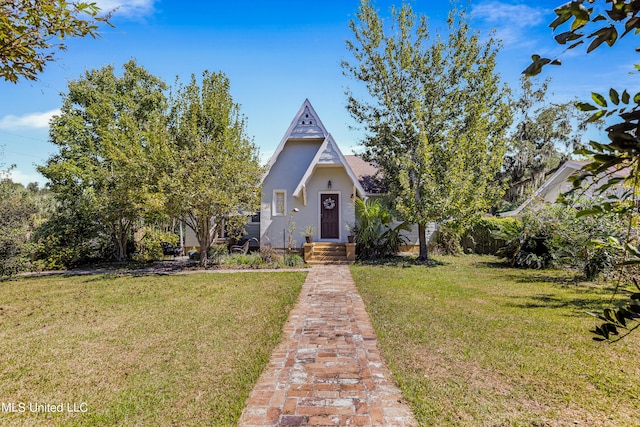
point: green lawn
(139, 350)
(475, 344)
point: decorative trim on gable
(328, 154)
(312, 128)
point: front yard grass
(471, 343)
(138, 350)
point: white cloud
(513, 23)
(129, 8)
(31, 120)
(26, 178)
(515, 15)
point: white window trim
(274, 208)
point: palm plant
(375, 236)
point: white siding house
(560, 182)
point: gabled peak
(307, 124)
(329, 153)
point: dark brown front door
(329, 216)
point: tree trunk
(422, 239)
(120, 236)
(204, 239)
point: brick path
(327, 370)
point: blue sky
(276, 54)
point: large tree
(104, 133)
(543, 137)
(435, 116)
(32, 30)
(211, 167)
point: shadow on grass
(579, 306)
(530, 276)
(494, 264)
(402, 261)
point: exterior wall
(190, 240)
(413, 244)
(561, 185)
(341, 184)
(285, 174)
(275, 229)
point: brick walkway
(327, 370)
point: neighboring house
(558, 183)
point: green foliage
(436, 115)
(618, 14)
(625, 316)
(69, 238)
(148, 243)
(262, 259)
(17, 211)
(309, 231)
(216, 252)
(104, 133)
(292, 260)
(616, 163)
(28, 29)
(479, 238)
(448, 239)
(375, 235)
(252, 260)
(209, 168)
(556, 235)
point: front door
(329, 216)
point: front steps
(329, 253)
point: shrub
(148, 243)
(375, 236)
(292, 260)
(252, 260)
(69, 238)
(269, 255)
(448, 239)
(480, 237)
(216, 252)
(557, 235)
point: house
(560, 182)
(309, 182)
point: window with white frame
(279, 207)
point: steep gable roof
(328, 154)
(305, 125)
